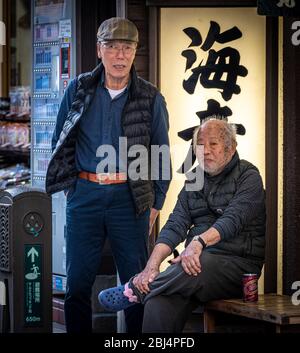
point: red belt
(104, 178)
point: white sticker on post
(65, 29)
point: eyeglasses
(113, 48)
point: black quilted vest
(136, 126)
(205, 210)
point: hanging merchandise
(15, 175)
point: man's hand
(142, 280)
(153, 215)
(190, 258)
(148, 275)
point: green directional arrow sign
(33, 285)
(32, 253)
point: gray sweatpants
(174, 293)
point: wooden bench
(276, 309)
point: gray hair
(229, 131)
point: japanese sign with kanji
(213, 61)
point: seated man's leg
(168, 313)
(220, 277)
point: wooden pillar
(137, 12)
(270, 275)
(291, 158)
(88, 19)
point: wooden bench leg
(209, 321)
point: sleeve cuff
(170, 244)
(219, 228)
(170, 238)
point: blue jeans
(96, 212)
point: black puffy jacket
(233, 202)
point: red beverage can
(250, 287)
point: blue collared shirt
(101, 125)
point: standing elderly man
(98, 108)
(224, 228)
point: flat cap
(117, 28)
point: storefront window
(15, 94)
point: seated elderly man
(224, 228)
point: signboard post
(25, 261)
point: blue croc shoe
(113, 299)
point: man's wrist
(152, 266)
(200, 240)
(151, 269)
